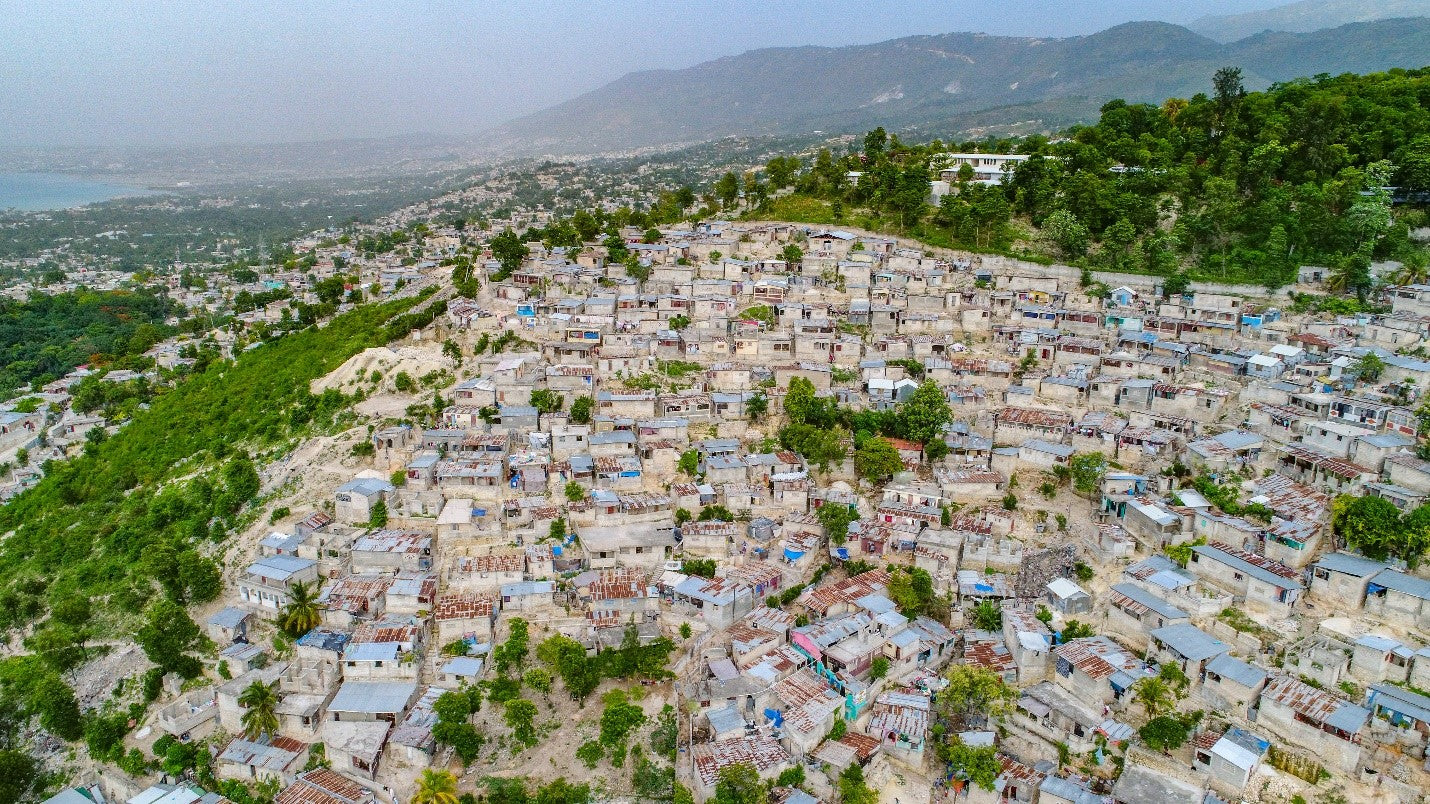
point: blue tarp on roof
(793, 555)
(774, 716)
(842, 552)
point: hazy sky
(196, 71)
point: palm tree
(988, 616)
(303, 612)
(1414, 270)
(436, 787)
(1153, 694)
(1339, 278)
(260, 705)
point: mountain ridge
(932, 81)
(1305, 16)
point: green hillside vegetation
(1229, 186)
(44, 337)
(117, 541)
(131, 516)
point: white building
(988, 169)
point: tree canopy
(1227, 185)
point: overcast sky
(222, 71)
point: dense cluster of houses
(1299, 652)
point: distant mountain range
(1306, 16)
(947, 85)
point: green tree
(1369, 524)
(727, 189)
(875, 142)
(790, 777)
(377, 515)
(452, 350)
(852, 789)
(510, 251)
(1088, 469)
(782, 170)
(520, 717)
(260, 709)
(55, 704)
(590, 753)
(1074, 629)
(739, 783)
(975, 695)
(912, 590)
(792, 254)
(546, 400)
(799, 399)
(19, 774)
(718, 513)
(561, 791)
(574, 491)
(979, 765)
(619, 719)
(199, 576)
(756, 406)
(877, 459)
(703, 567)
(689, 463)
(167, 636)
(581, 409)
(61, 646)
(514, 650)
(836, 518)
(1163, 733)
(1369, 367)
(879, 668)
(1068, 233)
(820, 446)
(925, 413)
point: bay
(35, 192)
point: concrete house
(228, 625)
(268, 759)
(354, 499)
(1315, 721)
(1262, 583)
(266, 582)
(1044, 454)
(639, 545)
(1399, 598)
(1050, 712)
(1186, 646)
(1229, 759)
(1067, 597)
(1343, 579)
(392, 550)
(1097, 670)
(1230, 684)
(1377, 658)
(1136, 612)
